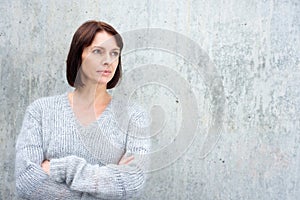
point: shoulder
(45, 103)
(139, 115)
(132, 111)
(135, 109)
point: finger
(122, 161)
(45, 161)
(129, 159)
(126, 160)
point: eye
(97, 51)
(115, 53)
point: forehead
(104, 39)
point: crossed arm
(70, 177)
(124, 161)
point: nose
(107, 59)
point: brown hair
(82, 38)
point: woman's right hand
(46, 166)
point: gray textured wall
(254, 46)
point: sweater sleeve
(110, 181)
(31, 181)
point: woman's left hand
(125, 160)
(46, 166)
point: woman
(78, 145)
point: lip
(104, 72)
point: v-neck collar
(72, 115)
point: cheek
(90, 63)
(115, 64)
(116, 61)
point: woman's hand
(46, 166)
(125, 160)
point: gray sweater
(83, 159)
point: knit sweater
(83, 159)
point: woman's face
(100, 59)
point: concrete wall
(237, 105)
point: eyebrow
(104, 48)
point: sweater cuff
(58, 170)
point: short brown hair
(82, 38)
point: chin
(102, 81)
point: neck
(89, 96)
